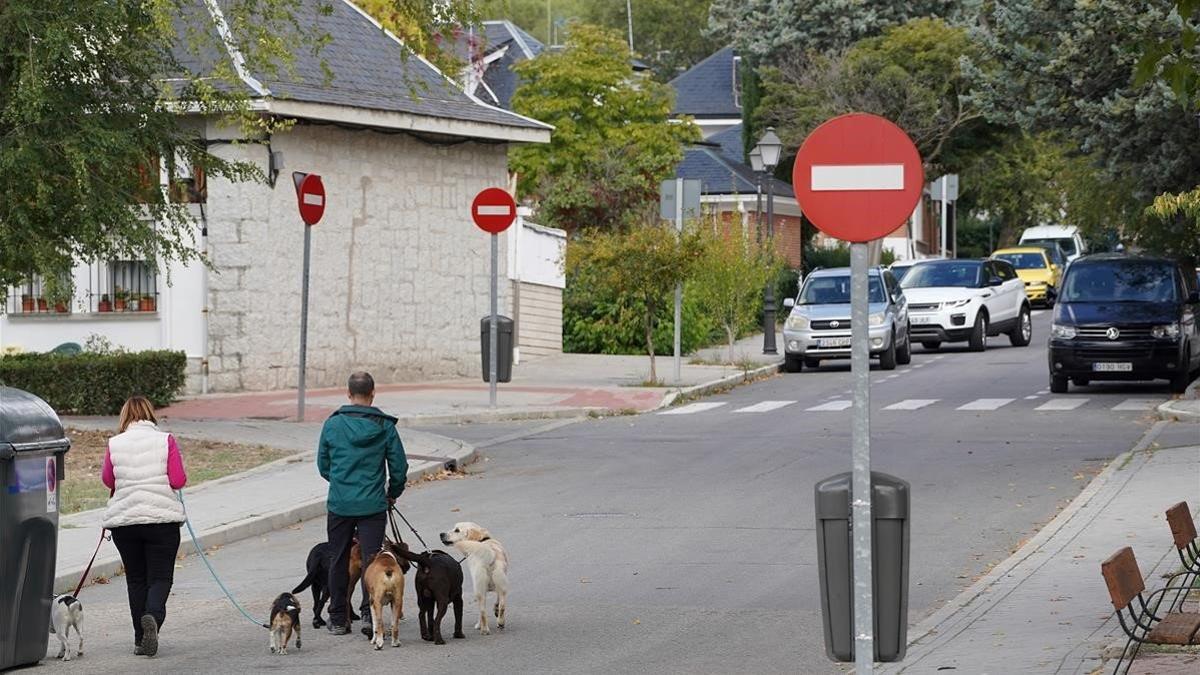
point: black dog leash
(395, 530)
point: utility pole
(629, 17)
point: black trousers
(340, 531)
(148, 553)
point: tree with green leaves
(769, 28)
(1072, 69)
(910, 74)
(730, 276)
(666, 33)
(613, 141)
(91, 101)
(641, 266)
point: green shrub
(96, 384)
(598, 322)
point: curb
(714, 386)
(930, 627)
(260, 524)
(1171, 411)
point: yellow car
(1035, 269)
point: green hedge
(96, 384)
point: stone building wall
(400, 275)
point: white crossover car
(966, 301)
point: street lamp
(756, 163)
(769, 149)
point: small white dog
(66, 613)
(488, 562)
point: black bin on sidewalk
(889, 565)
(32, 444)
(504, 347)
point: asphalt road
(684, 542)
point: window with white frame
(123, 286)
(33, 297)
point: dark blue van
(1124, 317)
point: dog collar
(485, 539)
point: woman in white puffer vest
(143, 468)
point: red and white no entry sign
(493, 210)
(310, 197)
(858, 177)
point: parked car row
(938, 301)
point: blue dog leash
(200, 552)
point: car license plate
(1112, 367)
(921, 320)
(827, 343)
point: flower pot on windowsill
(105, 305)
(146, 304)
(42, 305)
(119, 305)
(60, 307)
(27, 304)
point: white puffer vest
(143, 495)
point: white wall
(541, 252)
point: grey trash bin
(889, 565)
(504, 347)
(32, 445)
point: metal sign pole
(493, 332)
(304, 321)
(678, 286)
(860, 486)
(945, 244)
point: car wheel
(1080, 381)
(904, 354)
(792, 364)
(887, 360)
(1179, 383)
(812, 364)
(931, 345)
(978, 339)
(1022, 333)
(1058, 384)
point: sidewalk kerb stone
(718, 384)
(257, 524)
(1175, 410)
(941, 620)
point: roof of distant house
(372, 71)
(505, 45)
(720, 175)
(710, 89)
(730, 142)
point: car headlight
(959, 303)
(796, 322)
(1062, 331)
(877, 319)
(1170, 330)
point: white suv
(966, 301)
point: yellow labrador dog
(488, 562)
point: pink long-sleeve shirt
(176, 476)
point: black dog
(438, 582)
(318, 577)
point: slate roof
(706, 90)
(500, 79)
(720, 175)
(730, 142)
(370, 70)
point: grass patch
(204, 461)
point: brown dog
(385, 586)
(285, 619)
(356, 568)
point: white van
(1066, 236)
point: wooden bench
(1144, 623)
(1183, 531)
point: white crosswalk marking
(692, 408)
(832, 406)
(765, 406)
(912, 404)
(1062, 404)
(1136, 404)
(986, 404)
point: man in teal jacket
(357, 443)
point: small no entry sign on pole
(857, 178)
(310, 199)
(493, 211)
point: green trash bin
(32, 445)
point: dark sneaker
(149, 635)
(368, 630)
(138, 651)
(336, 629)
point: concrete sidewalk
(1046, 608)
(566, 385)
(243, 505)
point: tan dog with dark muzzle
(385, 584)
